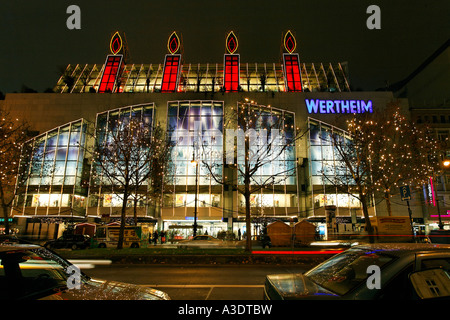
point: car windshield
(347, 270)
(32, 273)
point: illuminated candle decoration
(231, 43)
(116, 43)
(173, 44)
(171, 65)
(291, 62)
(289, 42)
(113, 66)
(231, 64)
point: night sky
(36, 44)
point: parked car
(346, 275)
(201, 241)
(439, 236)
(8, 238)
(257, 241)
(74, 241)
(32, 272)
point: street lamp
(195, 163)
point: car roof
(405, 248)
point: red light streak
(299, 252)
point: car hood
(94, 289)
(294, 286)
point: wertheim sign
(338, 106)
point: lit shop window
(170, 74)
(269, 200)
(339, 200)
(231, 73)
(112, 70)
(292, 73)
(50, 200)
(57, 200)
(112, 200)
(116, 200)
(203, 200)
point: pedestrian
(155, 237)
(239, 234)
(163, 237)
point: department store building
(312, 97)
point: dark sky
(36, 42)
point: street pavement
(220, 282)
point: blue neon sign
(338, 106)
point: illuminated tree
(381, 152)
(401, 153)
(130, 159)
(13, 134)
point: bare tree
(351, 173)
(264, 137)
(130, 157)
(13, 134)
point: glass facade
(325, 167)
(273, 157)
(206, 77)
(105, 197)
(195, 128)
(58, 176)
(53, 173)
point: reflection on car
(346, 275)
(32, 272)
(334, 244)
(201, 241)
